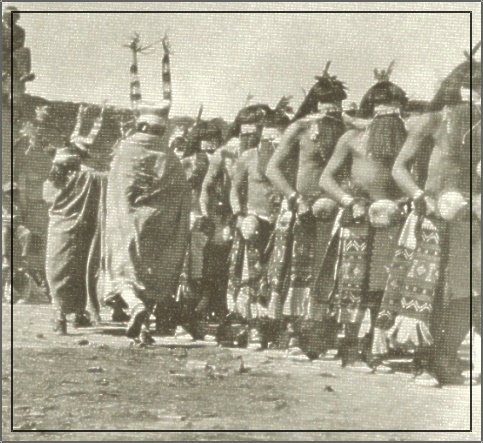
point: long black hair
(328, 89)
(465, 75)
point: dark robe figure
(148, 210)
(73, 242)
(147, 224)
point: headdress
(211, 134)
(154, 115)
(279, 116)
(384, 92)
(328, 89)
(277, 120)
(387, 134)
(249, 118)
(466, 75)
(214, 130)
(207, 132)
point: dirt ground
(92, 381)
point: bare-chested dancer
(371, 219)
(256, 205)
(215, 204)
(212, 258)
(303, 231)
(436, 290)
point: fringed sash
(319, 308)
(280, 261)
(247, 284)
(302, 263)
(352, 272)
(256, 281)
(192, 272)
(409, 296)
(235, 270)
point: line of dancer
(335, 227)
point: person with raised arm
(76, 197)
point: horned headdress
(152, 114)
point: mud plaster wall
(31, 169)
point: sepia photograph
(241, 221)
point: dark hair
(383, 92)
(250, 115)
(329, 131)
(277, 118)
(328, 89)
(387, 135)
(231, 132)
(464, 75)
